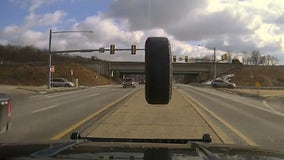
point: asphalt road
(37, 117)
(249, 118)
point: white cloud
(26, 34)
(225, 24)
(49, 19)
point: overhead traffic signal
(174, 58)
(186, 58)
(133, 49)
(112, 49)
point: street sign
(52, 69)
(257, 84)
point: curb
(52, 90)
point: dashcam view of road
(114, 111)
(154, 79)
(161, 98)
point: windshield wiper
(55, 149)
(206, 138)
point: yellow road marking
(76, 125)
(234, 130)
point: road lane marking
(46, 108)
(254, 106)
(78, 124)
(268, 106)
(234, 130)
(66, 93)
(95, 94)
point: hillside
(267, 75)
(36, 74)
(27, 65)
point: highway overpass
(183, 72)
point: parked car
(61, 82)
(220, 83)
(5, 113)
(141, 81)
(128, 82)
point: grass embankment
(36, 74)
(269, 76)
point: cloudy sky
(193, 27)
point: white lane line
(66, 93)
(233, 129)
(46, 108)
(251, 105)
(95, 94)
(268, 106)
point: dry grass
(36, 74)
(260, 92)
(266, 75)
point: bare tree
(255, 57)
(245, 57)
(263, 60)
(274, 60)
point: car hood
(82, 148)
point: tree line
(252, 58)
(31, 54)
(256, 58)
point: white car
(61, 82)
(220, 83)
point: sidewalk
(11, 89)
(136, 119)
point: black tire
(66, 85)
(158, 70)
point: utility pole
(49, 61)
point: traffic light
(133, 49)
(222, 57)
(112, 49)
(186, 58)
(174, 58)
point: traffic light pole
(50, 52)
(49, 61)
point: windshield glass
(217, 64)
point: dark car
(128, 82)
(61, 82)
(221, 83)
(5, 113)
